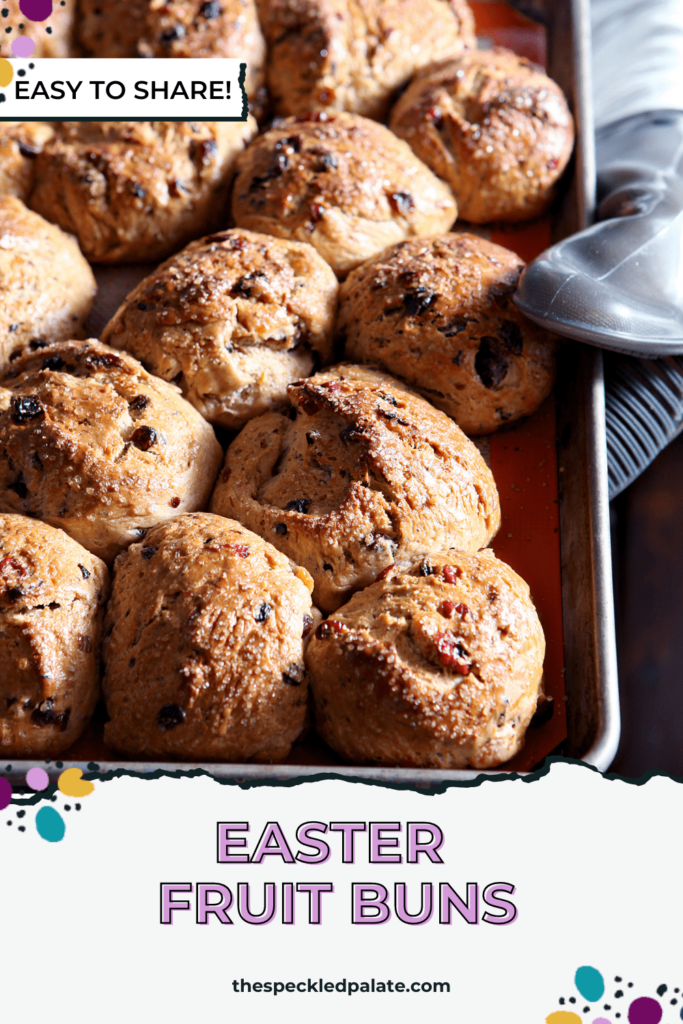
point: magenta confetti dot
(5, 794)
(36, 10)
(37, 778)
(22, 46)
(644, 1011)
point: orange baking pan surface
(524, 464)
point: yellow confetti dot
(563, 1017)
(6, 72)
(72, 783)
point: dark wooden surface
(647, 530)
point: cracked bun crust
(175, 28)
(492, 125)
(438, 313)
(205, 660)
(91, 442)
(20, 144)
(52, 595)
(46, 285)
(354, 54)
(366, 476)
(233, 319)
(138, 191)
(343, 183)
(430, 671)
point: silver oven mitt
(619, 283)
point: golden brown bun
(20, 144)
(138, 191)
(233, 319)
(343, 183)
(430, 671)
(492, 125)
(354, 54)
(175, 28)
(366, 476)
(91, 442)
(46, 285)
(438, 313)
(52, 596)
(205, 660)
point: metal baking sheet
(590, 715)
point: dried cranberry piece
(144, 437)
(174, 502)
(401, 202)
(328, 627)
(26, 408)
(263, 612)
(294, 676)
(385, 572)
(298, 505)
(139, 403)
(170, 716)
(426, 568)
(451, 573)
(452, 654)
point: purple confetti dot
(22, 46)
(5, 794)
(36, 10)
(37, 778)
(644, 1011)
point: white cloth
(637, 57)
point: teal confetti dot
(590, 983)
(50, 824)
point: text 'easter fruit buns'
(46, 285)
(344, 183)
(492, 125)
(232, 319)
(355, 54)
(52, 596)
(438, 313)
(367, 475)
(204, 655)
(92, 443)
(138, 191)
(437, 667)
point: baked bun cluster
(438, 666)
(365, 476)
(46, 285)
(351, 492)
(492, 125)
(342, 182)
(92, 443)
(204, 656)
(52, 597)
(438, 313)
(137, 191)
(330, 54)
(232, 319)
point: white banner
(129, 89)
(509, 902)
